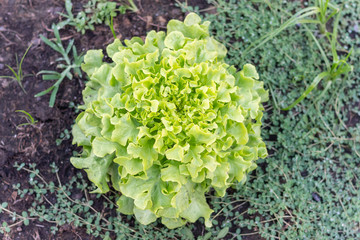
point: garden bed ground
(300, 142)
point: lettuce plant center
(167, 121)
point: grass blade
(50, 43)
(64, 23)
(327, 63)
(47, 72)
(8, 77)
(292, 21)
(334, 37)
(51, 77)
(71, 42)
(42, 93)
(27, 114)
(23, 57)
(315, 82)
(68, 7)
(13, 72)
(57, 34)
(53, 96)
(305, 21)
(133, 6)
(324, 91)
(112, 27)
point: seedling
(19, 75)
(30, 120)
(21, 219)
(74, 107)
(111, 25)
(65, 63)
(337, 68)
(322, 16)
(185, 7)
(63, 136)
(95, 12)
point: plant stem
(322, 27)
(112, 27)
(133, 6)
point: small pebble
(316, 197)
(356, 28)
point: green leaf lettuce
(167, 120)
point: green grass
(28, 117)
(18, 75)
(308, 187)
(67, 63)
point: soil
(21, 23)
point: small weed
(323, 16)
(65, 63)
(72, 203)
(19, 75)
(95, 12)
(333, 72)
(75, 107)
(15, 218)
(111, 25)
(63, 136)
(30, 120)
(185, 7)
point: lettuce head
(166, 121)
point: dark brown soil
(21, 23)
